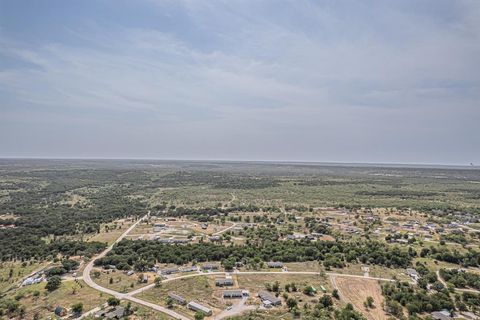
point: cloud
(259, 75)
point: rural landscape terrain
(138, 239)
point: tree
(158, 281)
(110, 281)
(309, 291)
(335, 294)
(276, 287)
(199, 315)
(53, 283)
(169, 303)
(128, 308)
(112, 301)
(291, 303)
(77, 308)
(368, 302)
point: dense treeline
(15, 245)
(402, 294)
(460, 278)
(41, 211)
(141, 254)
(470, 258)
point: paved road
(88, 280)
(130, 296)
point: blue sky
(341, 81)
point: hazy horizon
(347, 82)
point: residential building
(177, 298)
(269, 298)
(195, 306)
(233, 293)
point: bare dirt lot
(356, 291)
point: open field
(201, 289)
(356, 291)
(121, 282)
(19, 271)
(36, 299)
(109, 232)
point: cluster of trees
(470, 258)
(41, 211)
(415, 300)
(460, 278)
(67, 266)
(142, 254)
(18, 245)
(216, 179)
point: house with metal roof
(177, 298)
(269, 298)
(195, 306)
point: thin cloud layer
(299, 80)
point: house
(210, 267)
(60, 311)
(157, 227)
(195, 306)
(275, 264)
(413, 274)
(168, 271)
(189, 269)
(145, 278)
(214, 238)
(204, 225)
(115, 313)
(232, 293)
(177, 298)
(31, 280)
(441, 315)
(222, 282)
(269, 299)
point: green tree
(291, 303)
(199, 315)
(77, 308)
(112, 301)
(53, 283)
(368, 302)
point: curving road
(131, 295)
(88, 280)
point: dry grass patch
(356, 291)
(110, 232)
(19, 272)
(201, 289)
(120, 282)
(36, 299)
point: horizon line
(340, 163)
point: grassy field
(109, 232)
(356, 291)
(201, 289)
(19, 272)
(121, 282)
(36, 299)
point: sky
(325, 81)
